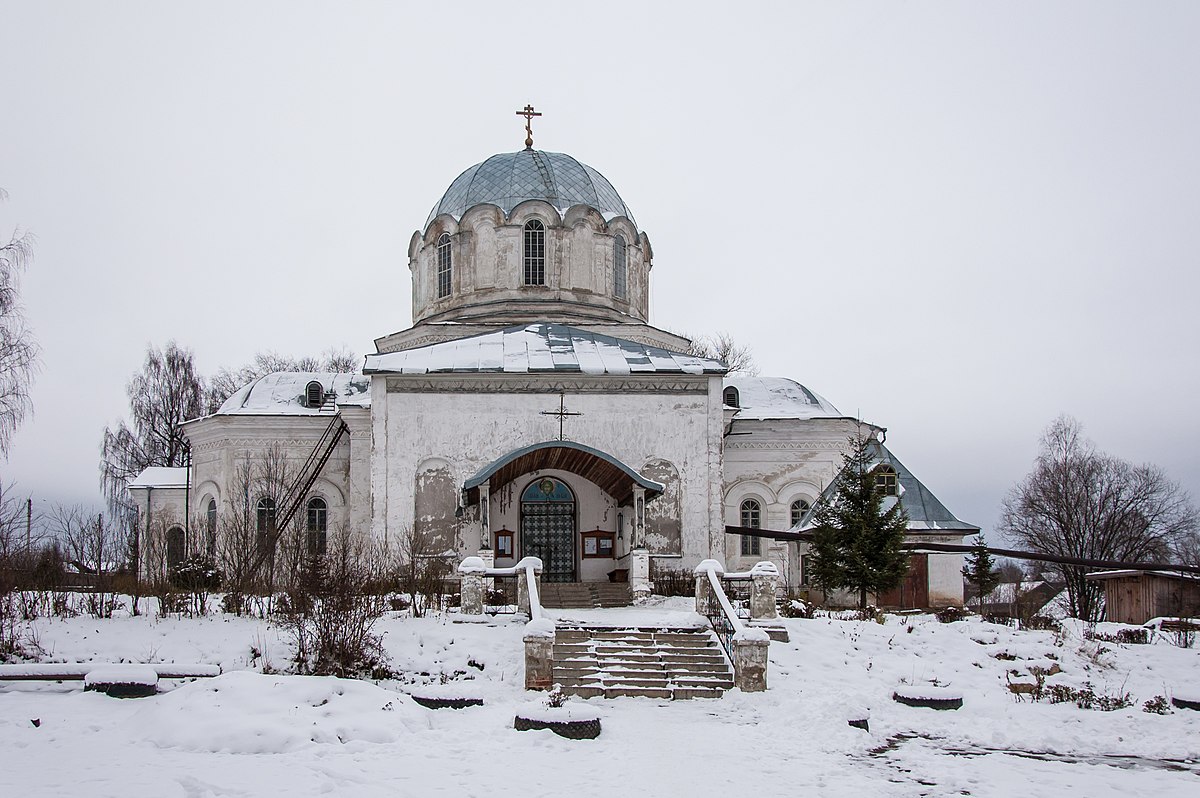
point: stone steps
(584, 595)
(647, 662)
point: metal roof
(282, 393)
(160, 477)
(763, 398)
(925, 512)
(510, 178)
(540, 348)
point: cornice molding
(547, 383)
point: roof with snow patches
(282, 393)
(159, 477)
(540, 347)
(777, 397)
(925, 512)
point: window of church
(620, 266)
(443, 266)
(211, 519)
(535, 253)
(318, 513)
(731, 398)
(799, 508)
(314, 394)
(885, 481)
(175, 546)
(751, 519)
(264, 520)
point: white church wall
(777, 462)
(470, 429)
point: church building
(532, 409)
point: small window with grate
(314, 394)
(731, 397)
(535, 252)
(620, 267)
(444, 270)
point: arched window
(317, 518)
(444, 272)
(885, 481)
(620, 266)
(210, 518)
(535, 253)
(799, 508)
(314, 394)
(265, 520)
(731, 397)
(751, 519)
(175, 546)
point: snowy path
(252, 735)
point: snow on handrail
(726, 607)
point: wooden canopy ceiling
(610, 474)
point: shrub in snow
(951, 614)
(1157, 705)
(1086, 697)
(795, 608)
(332, 611)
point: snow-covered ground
(252, 734)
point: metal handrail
(720, 613)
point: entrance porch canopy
(610, 474)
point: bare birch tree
(18, 347)
(165, 393)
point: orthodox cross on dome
(529, 114)
(561, 412)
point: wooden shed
(1137, 596)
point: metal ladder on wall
(293, 495)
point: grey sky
(958, 220)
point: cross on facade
(529, 114)
(561, 412)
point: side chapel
(532, 409)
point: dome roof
(510, 178)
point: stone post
(639, 574)
(539, 654)
(523, 582)
(764, 579)
(489, 561)
(471, 572)
(703, 587)
(485, 518)
(750, 660)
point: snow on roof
(925, 512)
(159, 477)
(282, 393)
(1137, 572)
(540, 347)
(777, 397)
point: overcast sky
(957, 220)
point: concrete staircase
(584, 595)
(651, 662)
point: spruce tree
(980, 570)
(856, 542)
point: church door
(548, 528)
